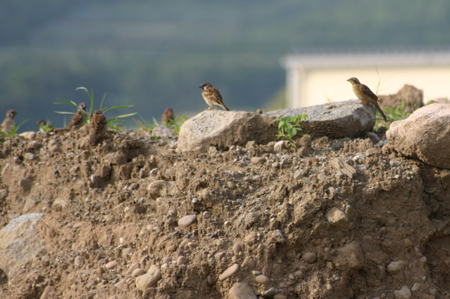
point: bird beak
(200, 87)
(348, 80)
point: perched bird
(98, 127)
(43, 126)
(212, 96)
(79, 117)
(260, 111)
(168, 116)
(365, 95)
(9, 122)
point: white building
(319, 76)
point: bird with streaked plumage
(365, 95)
(212, 96)
(79, 117)
(98, 127)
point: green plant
(14, 130)
(47, 127)
(289, 126)
(399, 112)
(113, 122)
(175, 125)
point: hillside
(282, 224)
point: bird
(365, 95)
(43, 126)
(259, 111)
(98, 127)
(168, 116)
(79, 117)
(212, 96)
(8, 122)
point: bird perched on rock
(98, 127)
(79, 117)
(212, 96)
(43, 126)
(168, 116)
(259, 111)
(365, 95)
(8, 122)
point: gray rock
(424, 135)
(309, 257)
(187, 220)
(262, 279)
(336, 120)
(20, 242)
(334, 215)
(223, 129)
(397, 266)
(241, 290)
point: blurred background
(155, 54)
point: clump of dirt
(332, 219)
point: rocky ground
(133, 218)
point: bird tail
(225, 107)
(381, 112)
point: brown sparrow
(365, 95)
(212, 96)
(42, 123)
(9, 122)
(98, 127)
(79, 117)
(168, 116)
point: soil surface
(330, 219)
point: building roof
(368, 56)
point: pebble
(237, 247)
(270, 292)
(241, 290)
(111, 265)
(415, 287)
(278, 236)
(30, 156)
(138, 272)
(403, 293)
(280, 296)
(258, 160)
(206, 215)
(394, 267)
(306, 180)
(229, 272)
(182, 260)
(309, 257)
(149, 279)
(262, 279)
(249, 263)
(334, 215)
(187, 220)
(45, 294)
(278, 147)
(78, 261)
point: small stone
(403, 293)
(306, 180)
(30, 156)
(394, 267)
(334, 215)
(415, 287)
(149, 279)
(229, 272)
(133, 267)
(241, 290)
(77, 261)
(270, 292)
(187, 220)
(46, 293)
(309, 257)
(138, 272)
(111, 265)
(258, 160)
(374, 151)
(278, 147)
(206, 215)
(280, 296)
(237, 247)
(210, 280)
(262, 279)
(249, 263)
(278, 236)
(182, 260)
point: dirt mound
(347, 221)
